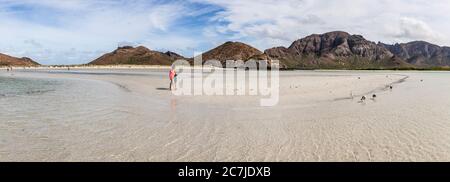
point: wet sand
(128, 115)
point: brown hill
(6, 60)
(138, 56)
(335, 50)
(231, 51)
(174, 56)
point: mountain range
(332, 50)
(335, 50)
(420, 53)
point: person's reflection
(173, 104)
(172, 113)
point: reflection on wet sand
(101, 115)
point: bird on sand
(363, 98)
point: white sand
(114, 117)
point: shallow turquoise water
(13, 87)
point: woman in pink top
(172, 75)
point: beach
(125, 114)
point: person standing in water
(172, 75)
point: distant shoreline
(62, 67)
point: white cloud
(413, 29)
(76, 29)
(270, 22)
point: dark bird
(390, 87)
(374, 96)
(363, 98)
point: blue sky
(78, 31)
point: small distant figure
(359, 78)
(7, 69)
(68, 68)
(374, 96)
(390, 87)
(421, 80)
(363, 98)
(172, 74)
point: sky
(78, 31)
